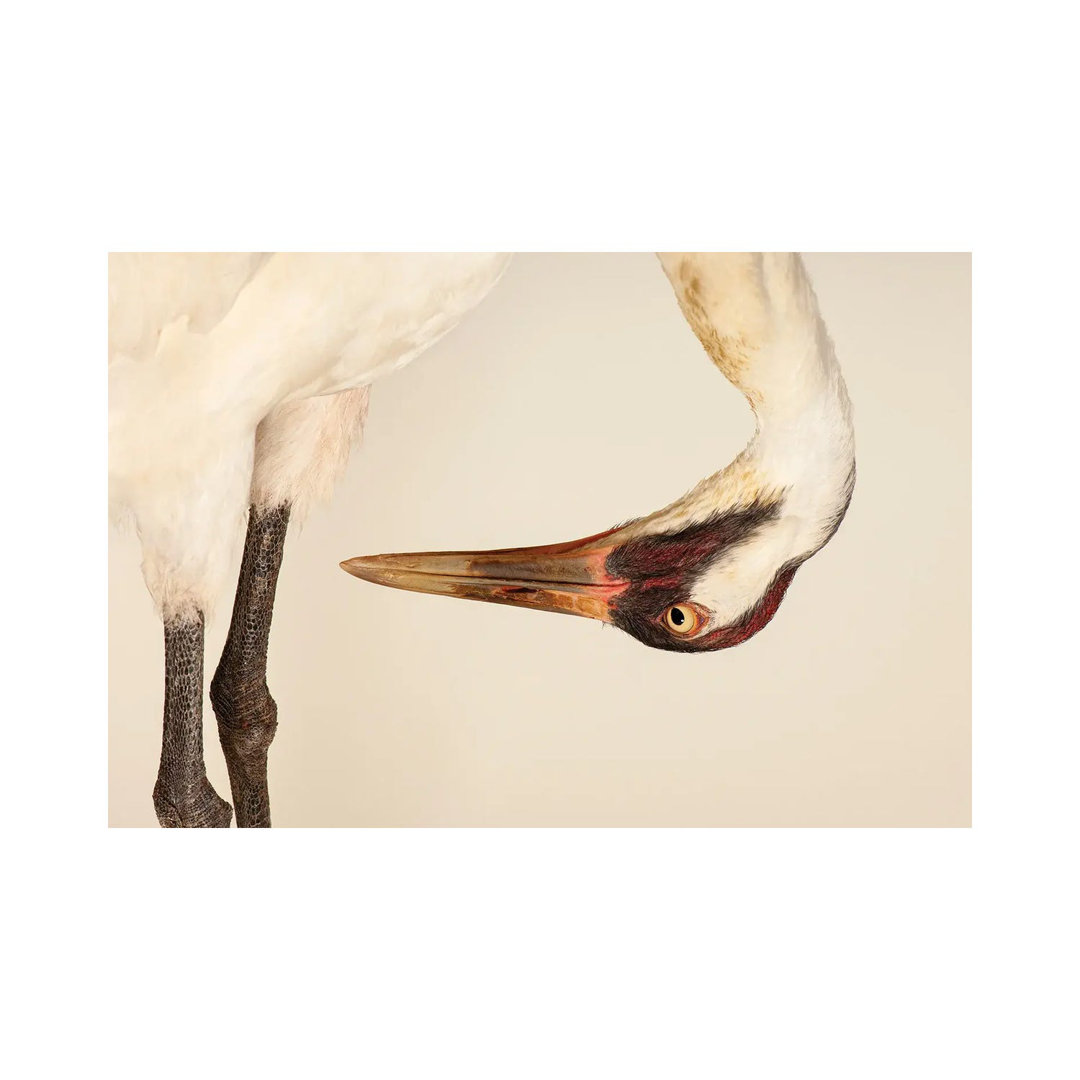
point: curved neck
(757, 317)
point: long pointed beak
(570, 577)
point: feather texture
(220, 367)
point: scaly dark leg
(246, 713)
(183, 797)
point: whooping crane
(238, 382)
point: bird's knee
(246, 714)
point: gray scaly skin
(246, 713)
(183, 797)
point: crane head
(695, 585)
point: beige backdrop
(576, 397)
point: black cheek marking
(690, 551)
(661, 571)
(639, 623)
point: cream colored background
(573, 398)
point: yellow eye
(682, 619)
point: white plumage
(241, 379)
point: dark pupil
(678, 616)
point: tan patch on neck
(725, 314)
(729, 352)
(744, 484)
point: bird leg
(183, 797)
(246, 713)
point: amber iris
(681, 618)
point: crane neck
(757, 317)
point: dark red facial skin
(661, 571)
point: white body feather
(240, 378)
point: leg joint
(246, 714)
